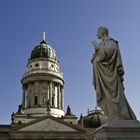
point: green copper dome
(41, 50)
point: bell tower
(42, 82)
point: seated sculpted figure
(108, 78)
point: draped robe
(108, 81)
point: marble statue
(108, 78)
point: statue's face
(100, 33)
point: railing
(43, 70)
(97, 109)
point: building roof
(55, 122)
(48, 127)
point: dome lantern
(43, 50)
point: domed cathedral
(42, 84)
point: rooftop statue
(108, 78)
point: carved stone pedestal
(117, 130)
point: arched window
(36, 100)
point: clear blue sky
(70, 26)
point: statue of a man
(108, 78)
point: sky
(70, 27)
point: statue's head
(102, 32)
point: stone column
(31, 98)
(23, 97)
(55, 96)
(62, 97)
(59, 97)
(50, 92)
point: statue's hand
(95, 44)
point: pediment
(48, 124)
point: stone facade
(117, 130)
(43, 128)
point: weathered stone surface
(117, 130)
(43, 129)
(108, 78)
(48, 125)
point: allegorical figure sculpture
(108, 78)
